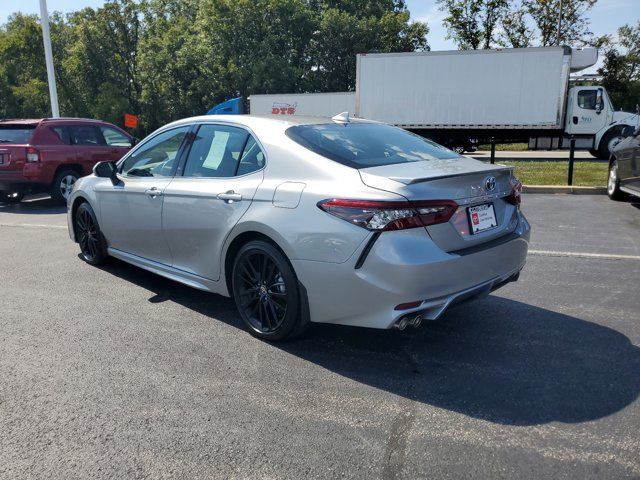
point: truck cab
(590, 115)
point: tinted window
(63, 134)
(587, 99)
(115, 138)
(84, 135)
(15, 133)
(361, 145)
(252, 158)
(157, 156)
(215, 151)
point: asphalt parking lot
(117, 373)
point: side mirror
(599, 101)
(106, 170)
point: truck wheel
(63, 184)
(613, 182)
(11, 198)
(594, 153)
(608, 143)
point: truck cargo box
(479, 89)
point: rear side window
(215, 151)
(363, 145)
(16, 133)
(63, 134)
(252, 158)
(114, 138)
(84, 135)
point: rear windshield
(16, 133)
(363, 145)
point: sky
(606, 16)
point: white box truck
(459, 98)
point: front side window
(114, 138)
(363, 145)
(84, 135)
(156, 157)
(587, 99)
(215, 151)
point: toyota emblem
(490, 183)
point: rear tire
(63, 184)
(266, 292)
(613, 182)
(11, 198)
(93, 247)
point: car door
(87, 141)
(115, 143)
(628, 167)
(210, 193)
(131, 211)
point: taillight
(384, 216)
(33, 155)
(516, 191)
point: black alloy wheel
(88, 235)
(266, 292)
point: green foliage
(621, 69)
(474, 24)
(168, 59)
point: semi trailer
(461, 98)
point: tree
(621, 68)
(574, 26)
(473, 24)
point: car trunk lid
(465, 180)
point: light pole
(48, 56)
(559, 22)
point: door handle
(229, 196)
(153, 192)
(575, 120)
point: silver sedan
(304, 220)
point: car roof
(283, 121)
(36, 121)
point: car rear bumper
(16, 182)
(406, 266)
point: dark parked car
(49, 155)
(624, 174)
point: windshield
(363, 145)
(15, 133)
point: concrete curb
(566, 189)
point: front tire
(266, 292)
(93, 247)
(613, 182)
(63, 185)
(608, 143)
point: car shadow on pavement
(37, 205)
(497, 359)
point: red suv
(50, 154)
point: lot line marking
(603, 256)
(34, 225)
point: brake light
(514, 198)
(383, 216)
(33, 155)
